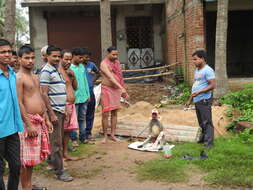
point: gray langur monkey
(156, 133)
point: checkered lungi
(34, 150)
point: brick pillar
(185, 32)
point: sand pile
(141, 112)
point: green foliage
(186, 93)
(229, 163)
(246, 136)
(241, 100)
(180, 94)
(21, 23)
(247, 115)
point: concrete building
(148, 32)
(137, 28)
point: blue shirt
(10, 116)
(201, 78)
(91, 69)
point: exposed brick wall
(185, 32)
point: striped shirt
(51, 77)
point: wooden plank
(172, 132)
(144, 124)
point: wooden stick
(151, 69)
(148, 76)
(142, 77)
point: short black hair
(111, 48)
(14, 53)
(78, 51)
(200, 53)
(25, 49)
(86, 51)
(65, 51)
(52, 48)
(4, 42)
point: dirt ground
(150, 92)
(111, 166)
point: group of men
(40, 112)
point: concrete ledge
(238, 83)
(38, 3)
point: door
(140, 42)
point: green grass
(230, 163)
(84, 151)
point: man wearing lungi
(70, 122)
(34, 140)
(10, 119)
(113, 89)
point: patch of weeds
(242, 101)
(103, 153)
(169, 170)
(84, 151)
(246, 136)
(83, 173)
(163, 170)
(106, 166)
(229, 163)
(179, 95)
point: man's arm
(211, 86)
(20, 91)
(49, 125)
(96, 71)
(44, 93)
(44, 87)
(73, 78)
(104, 68)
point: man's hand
(124, 93)
(32, 132)
(196, 93)
(53, 118)
(50, 127)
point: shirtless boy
(34, 140)
(71, 122)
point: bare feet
(104, 141)
(115, 139)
